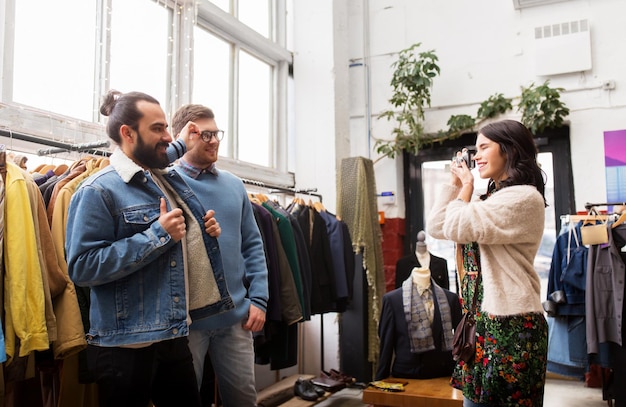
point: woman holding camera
(497, 236)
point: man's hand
(256, 319)
(211, 226)
(173, 221)
(186, 134)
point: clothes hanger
(38, 168)
(46, 168)
(319, 206)
(60, 169)
(619, 220)
(254, 199)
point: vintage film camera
(467, 155)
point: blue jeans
(231, 350)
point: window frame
(185, 15)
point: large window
(139, 48)
(53, 57)
(212, 67)
(255, 103)
(59, 60)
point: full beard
(150, 157)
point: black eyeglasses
(207, 135)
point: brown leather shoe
(342, 377)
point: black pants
(162, 373)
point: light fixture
(520, 4)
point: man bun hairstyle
(121, 108)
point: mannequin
(421, 250)
(422, 258)
(411, 346)
(421, 277)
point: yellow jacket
(23, 290)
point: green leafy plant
(412, 81)
(542, 107)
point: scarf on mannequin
(418, 323)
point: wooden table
(418, 393)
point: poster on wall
(615, 165)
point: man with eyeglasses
(227, 337)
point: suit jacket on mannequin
(395, 340)
(438, 269)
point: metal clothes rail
(588, 205)
(59, 146)
(278, 189)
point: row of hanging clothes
(585, 300)
(308, 252)
(43, 321)
(311, 272)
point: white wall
(484, 47)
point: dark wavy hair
(518, 146)
(122, 109)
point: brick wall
(393, 248)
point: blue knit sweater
(240, 243)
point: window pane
(139, 48)
(211, 69)
(55, 56)
(255, 14)
(255, 107)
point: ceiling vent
(562, 48)
(520, 4)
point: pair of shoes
(306, 390)
(339, 376)
(327, 383)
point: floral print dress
(509, 367)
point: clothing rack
(77, 147)
(59, 146)
(575, 218)
(588, 205)
(272, 189)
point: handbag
(464, 340)
(593, 233)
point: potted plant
(412, 81)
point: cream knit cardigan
(508, 227)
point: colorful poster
(615, 165)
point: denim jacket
(116, 246)
(569, 277)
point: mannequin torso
(421, 277)
(423, 257)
